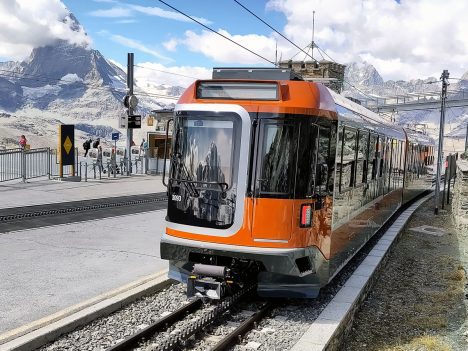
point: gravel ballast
(418, 302)
(107, 331)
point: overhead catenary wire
(212, 30)
(301, 50)
(272, 28)
(159, 70)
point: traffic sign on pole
(115, 136)
(134, 121)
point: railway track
(29, 217)
(195, 316)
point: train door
(274, 180)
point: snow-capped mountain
(365, 83)
(66, 83)
(363, 74)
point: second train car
(280, 181)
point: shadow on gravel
(418, 302)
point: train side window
(348, 158)
(331, 160)
(401, 158)
(339, 153)
(306, 160)
(322, 168)
(394, 164)
(382, 153)
(362, 157)
(277, 156)
(373, 157)
(386, 167)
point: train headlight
(306, 215)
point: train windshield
(203, 178)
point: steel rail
(162, 324)
(78, 208)
(175, 340)
(235, 336)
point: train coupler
(209, 281)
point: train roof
(358, 116)
(420, 138)
(280, 92)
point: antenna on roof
(313, 32)
(276, 54)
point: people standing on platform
(96, 143)
(87, 146)
(143, 147)
(22, 142)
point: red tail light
(306, 215)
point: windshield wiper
(187, 179)
(193, 191)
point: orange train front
(279, 181)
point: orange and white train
(280, 181)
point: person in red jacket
(22, 142)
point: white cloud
(223, 51)
(114, 12)
(150, 74)
(28, 24)
(135, 44)
(171, 44)
(156, 11)
(124, 10)
(407, 40)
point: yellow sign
(149, 121)
(67, 145)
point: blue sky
(104, 21)
(403, 39)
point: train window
(401, 159)
(323, 154)
(237, 90)
(277, 155)
(348, 158)
(373, 157)
(362, 151)
(331, 160)
(394, 164)
(339, 154)
(306, 160)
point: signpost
(66, 147)
(115, 137)
(134, 121)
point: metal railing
(44, 162)
(11, 164)
(29, 164)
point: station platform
(40, 191)
(53, 266)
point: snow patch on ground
(70, 78)
(36, 93)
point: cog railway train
(280, 181)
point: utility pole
(130, 111)
(466, 141)
(444, 78)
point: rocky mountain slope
(66, 83)
(364, 82)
